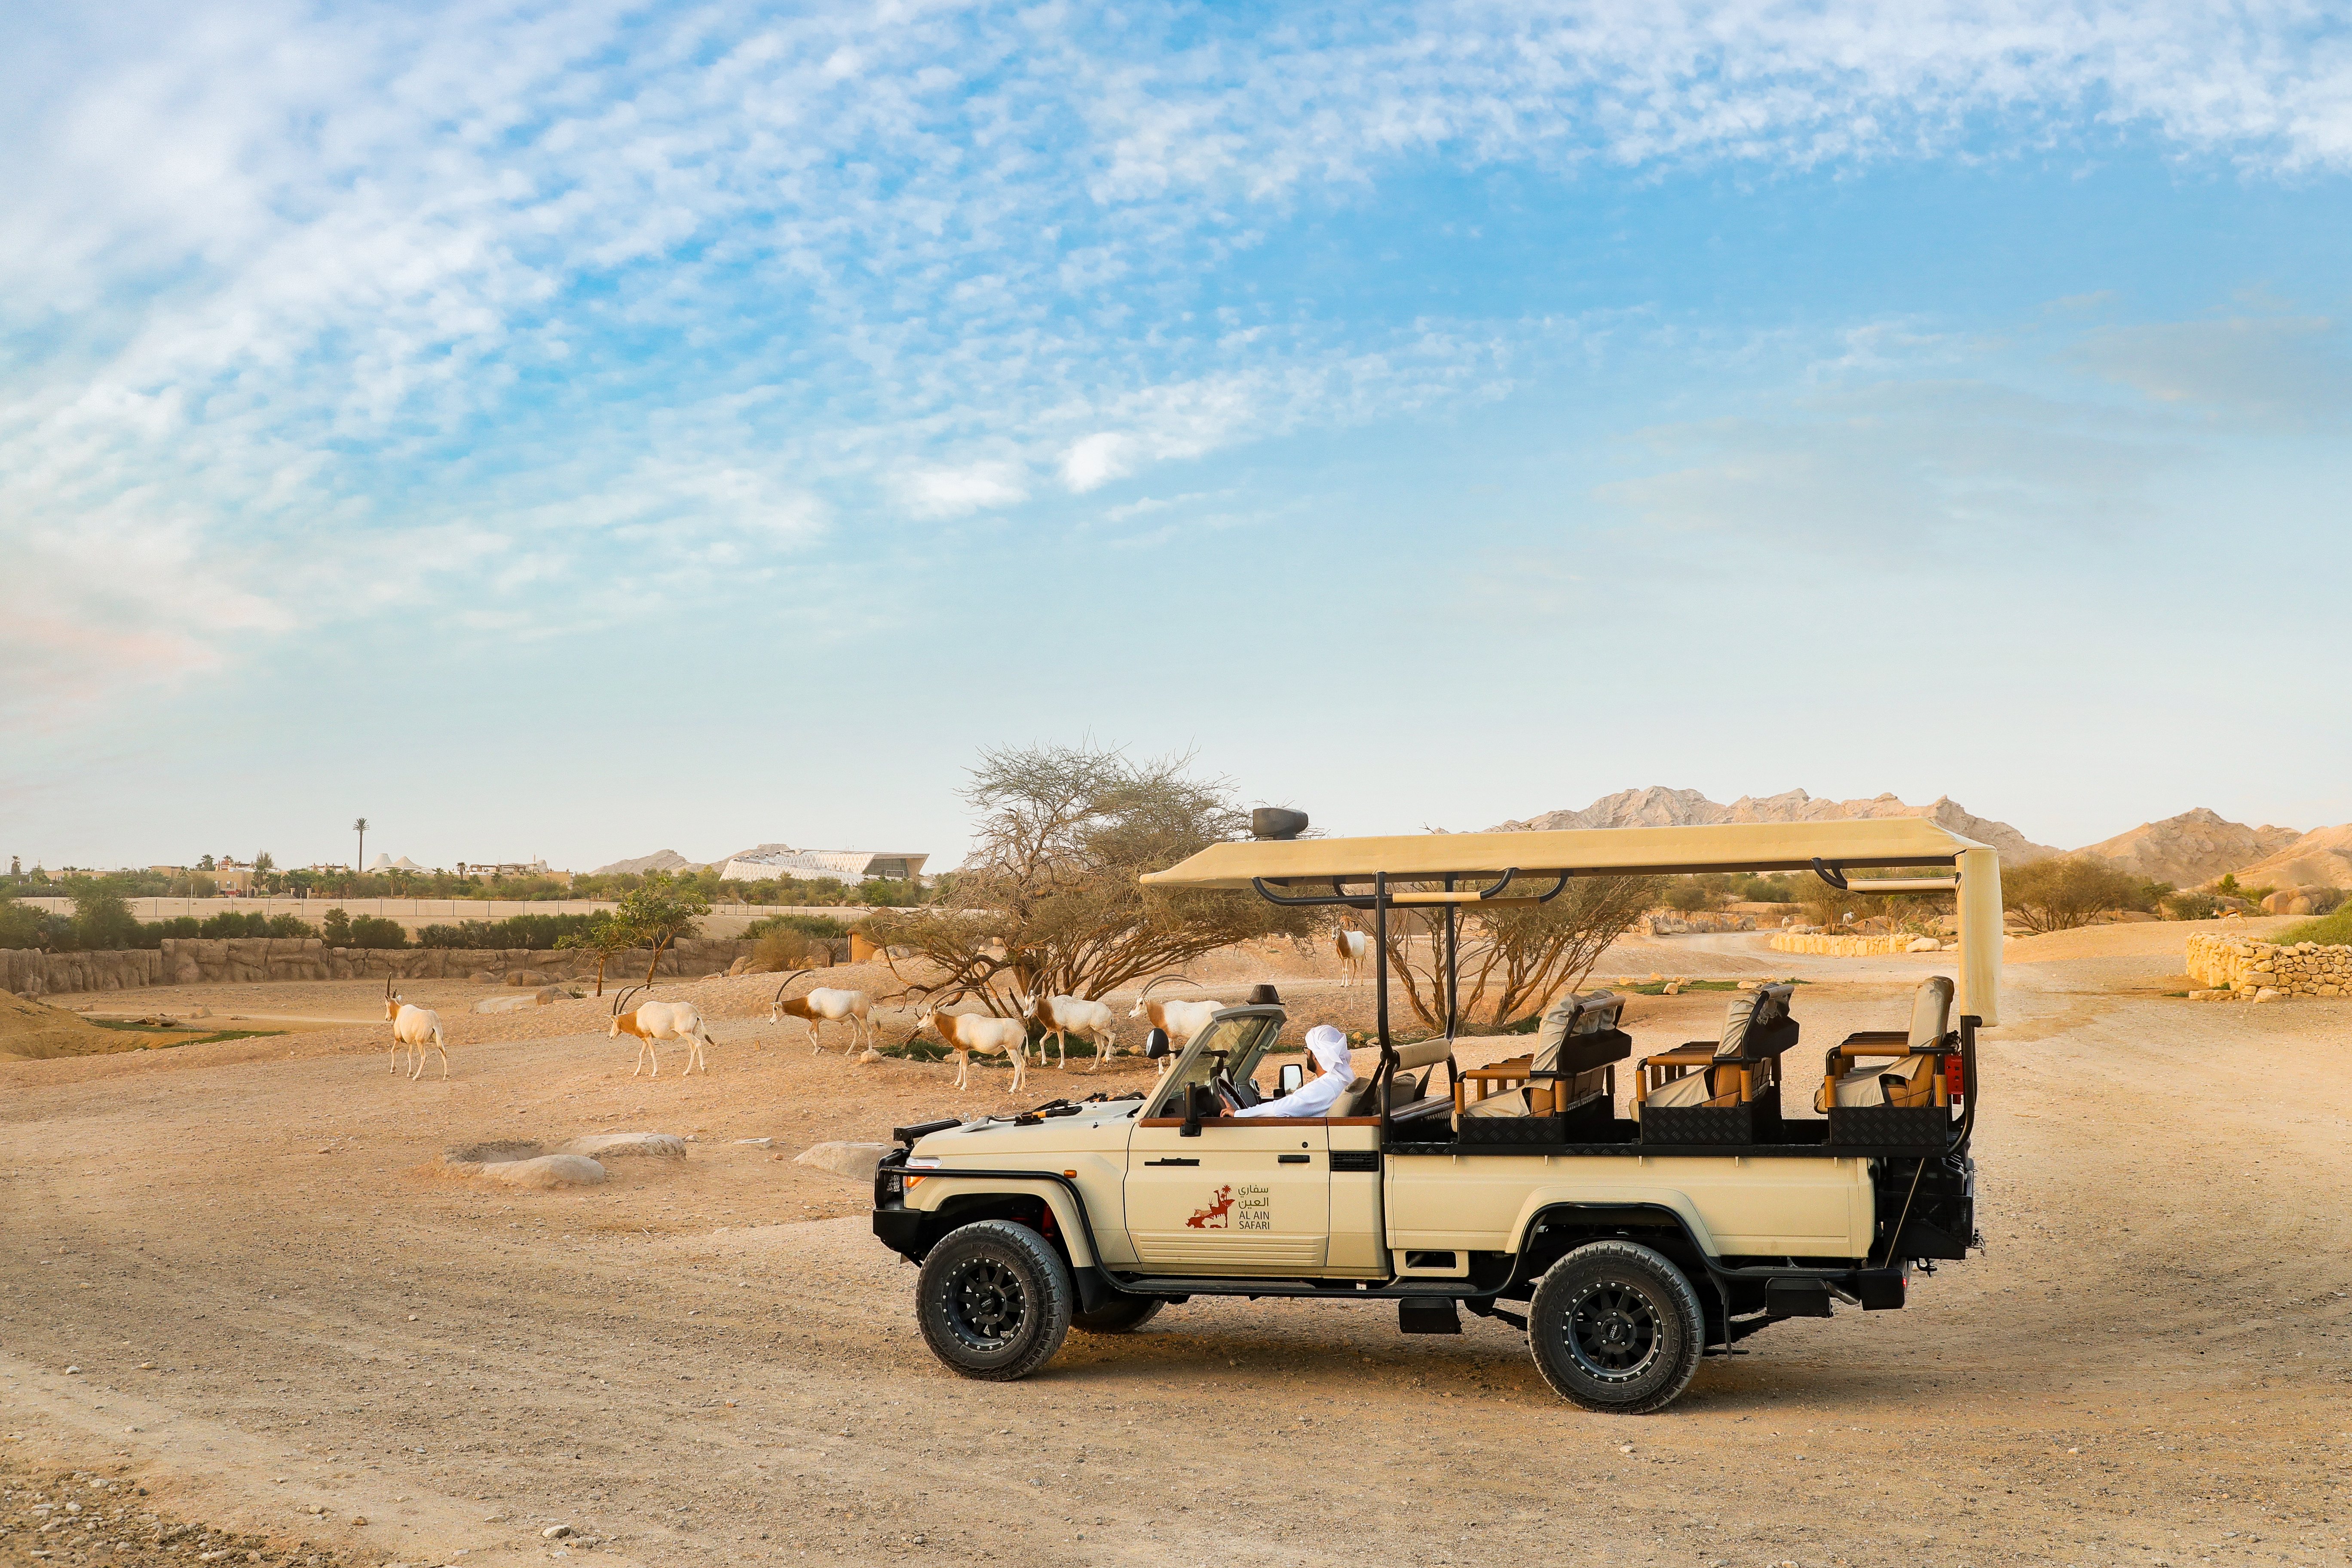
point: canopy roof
(1719, 847)
(1637, 851)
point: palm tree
(360, 828)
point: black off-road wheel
(994, 1301)
(1119, 1315)
(1616, 1327)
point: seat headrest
(1931, 1011)
(1424, 1053)
(1772, 1005)
(1738, 1020)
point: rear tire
(1119, 1315)
(994, 1301)
(1615, 1327)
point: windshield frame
(1195, 1064)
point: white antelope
(1353, 945)
(826, 1005)
(651, 1021)
(970, 1035)
(415, 1027)
(1062, 1016)
(1181, 1020)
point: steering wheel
(1223, 1084)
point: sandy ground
(278, 1305)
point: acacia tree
(2066, 890)
(604, 939)
(1514, 960)
(656, 914)
(1048, 900)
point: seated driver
(1315, 1097)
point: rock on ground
(546, 1171)
(855, 1160)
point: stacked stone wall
(1841, 946)
(2231, 966)
(195, 960)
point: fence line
(415, 910)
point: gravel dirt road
(236, 1276)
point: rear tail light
(1955, 1080)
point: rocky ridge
(2192, 848)
(2319, 858)
(1658, 806)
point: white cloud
(289, 292)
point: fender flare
(1666, 1202)
(1069, 1214)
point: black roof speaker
(1264, 996)
(1276, 822)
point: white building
(841, 865)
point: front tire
(1119, 1315)
(1615, 1327)
(994, 1301)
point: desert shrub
(539, 933)
(291, 925)
(2066, 890)
(178, 928)
(782, 949)
(1749, 889)
(2332, 930)
(337, 927)
(805, 925)
(1685, 895)
(102, 920)
(20, 924)
(234, 924)
(2190, 906)
(371, 930)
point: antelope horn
(1181, 979)
(622, 997)
(778, 997)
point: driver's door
(1251, 1195)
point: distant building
(841, 865)
(504, 868)
(386, 863)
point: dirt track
(716, 1364)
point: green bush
(2067, 890)
(804, 925)
(337, 927)
(369, 931)
(2332, 929)
(2190, 906)
(539, 933)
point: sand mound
(622, 1145)
(33, 1031)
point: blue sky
(579, 430)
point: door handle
(1298, 1159)
(1171, 1162)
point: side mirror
(1155, 1044)
(1202, 1101)
(1293, 1074)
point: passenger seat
(1908, 1080)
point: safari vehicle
(1625, 1245)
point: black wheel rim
(986, 1305)
(1614, 1331)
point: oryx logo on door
(1252, 1204)
(1218, 1215)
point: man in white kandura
(1318, 1094)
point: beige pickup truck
(1629, 1235)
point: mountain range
(2189, 850)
